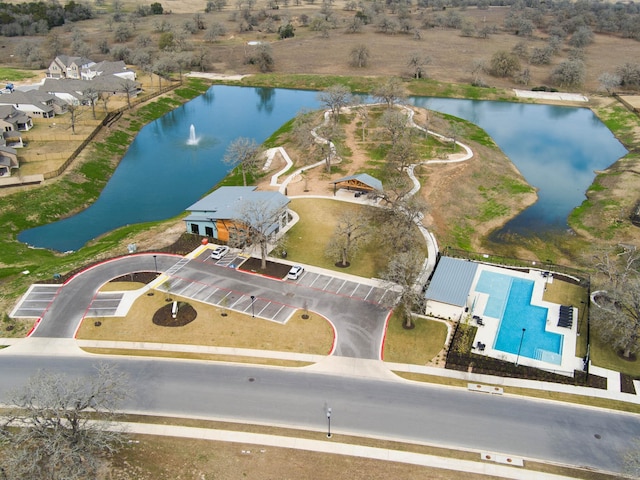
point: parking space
(34, 303)
(228, 299)
(105, 304)
(344, 287)
(232, 259)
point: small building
(35, 103)
(448, 291)
(362, 183)
(219, 215)
(8, 160)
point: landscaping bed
(274, 269)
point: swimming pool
(510, 299)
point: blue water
(518, 314)
(160, 175)
(556, 148)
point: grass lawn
(604, 356)
(565, 293)
(307, 240)
(313, 335)
(417, 346)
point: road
(298, 397)
(390, 409)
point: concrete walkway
(335, 448)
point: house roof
(37, 98)
(228, 202)
(364, 178)
(452, 281)
(75, 87)
(11, 114)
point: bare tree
(570, 73)
(243, 152)
(352, 229)
(417, 63)
(73, 109)
(259, 221)
(390, 92)
(609, 82)
(92, 95)
(359, 56)
(335, 98)
(57, 435)
(504, 64)
(402, 154)
(127, 87)
(395, 123)
(402, 273)
(616, 317)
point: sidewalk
(327, 446)
(346, 366)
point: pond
(164, 171)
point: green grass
(417, 346)
(62, 198)
(604, 356)
(275, 140)
(15, 75)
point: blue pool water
(511, 296)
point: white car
(219, 252)
(295, 272)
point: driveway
(359, 321)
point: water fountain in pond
(193, 140)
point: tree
(417, 64)
(609, 82)
(616, 316)
(286, 31)
(402, 273)
(243, 152)
(570, 73)
(73, 108)
(56, 435)
(156, 8)
(263, 58)
(390, 92)
(351, 230)
(582, 37)
(92, 95)
(215, 30)
(629, 75)
(335, 98)
(127, 87)
(359, 56)
(395, 122)
(504, 64)
(258, 223)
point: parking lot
(34, 303)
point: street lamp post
(253, 299)
(520, 347)
(329, 422)
(155, 262)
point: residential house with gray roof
(14, 120)
(34, 103)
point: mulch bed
(274, 269)
(626, 384)
(164, 318)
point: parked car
(219, 252)
(295, 272)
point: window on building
(195, 228)
(208, 231)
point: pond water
(556, 149)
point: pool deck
(488, 332)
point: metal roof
(364, 178)
(452, 281)
(228, 202)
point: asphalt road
(398, 410)
(359, 325)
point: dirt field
(310, 52)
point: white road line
(264, 308)
(367, 296)
(314, 280)
(206, 300)
(343, 283)
(239, 298)
(354, 290)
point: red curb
(384, 335)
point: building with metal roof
(362, 182)
(448, 292)
(229, 209)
